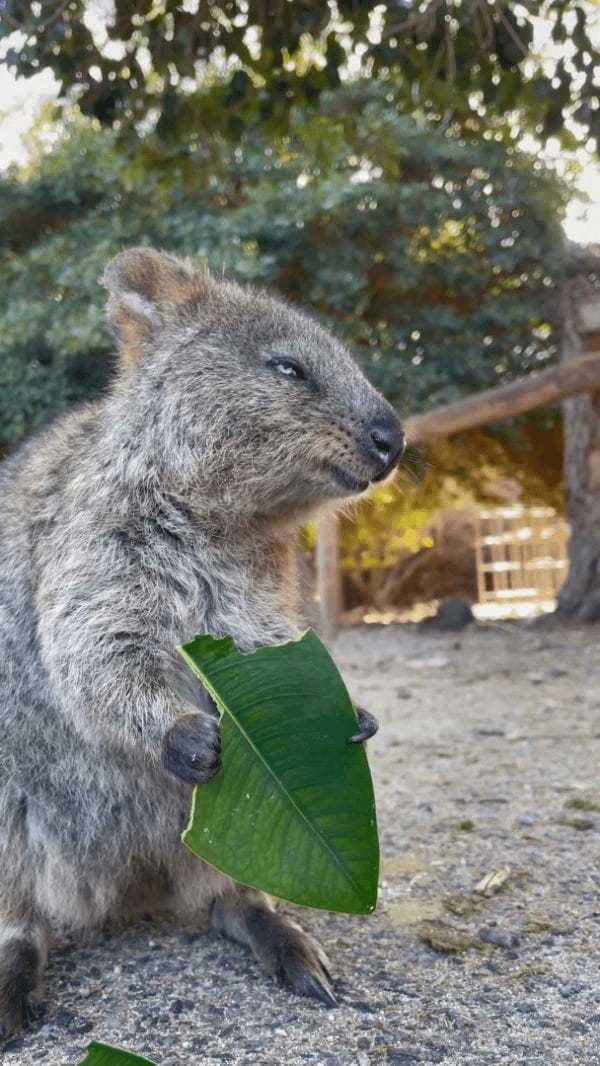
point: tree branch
(45, 24)
(517, 40)
(418, 20)
(506, 401)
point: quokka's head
(232, 387)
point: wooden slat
(520, 569)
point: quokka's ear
(145, 288)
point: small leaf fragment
(493, 882)
(105, 1055)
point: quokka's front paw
(192, 748)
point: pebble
(430, 662)
(500, 937)
(64, 1018)
(177, 1006)
(83, 1026)
(570, 988)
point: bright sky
(22, 98)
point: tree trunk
(579, 598)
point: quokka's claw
(367, 726)
(292, 956)
(302, 967)
(316, 985)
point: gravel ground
(486, 763)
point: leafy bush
(434, 255)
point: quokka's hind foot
(290, 955)
(21, 965)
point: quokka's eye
(289, 368)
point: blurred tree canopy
(433, 254)
(359, 157)
(183, 68)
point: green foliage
(186, 70)
(291, 811)
(105, 1055)
(390, 524)
(432, 254)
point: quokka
(165, 508)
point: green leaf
(292, 810)
(105, 1055)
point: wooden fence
(521, 554)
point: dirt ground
(485, 947)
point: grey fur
(165, 509)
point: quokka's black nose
(384, 442)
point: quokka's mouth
(386, 473)
(345, 479)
